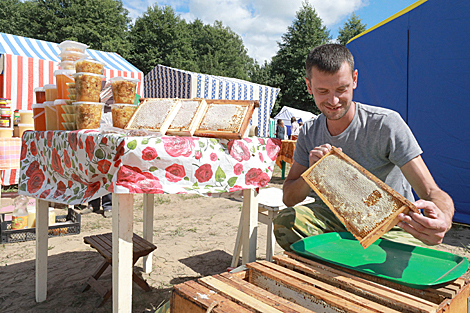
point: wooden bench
(103, 244)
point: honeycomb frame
(369, 198)
(232, 131)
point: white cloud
(260, 23)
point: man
(376, 138)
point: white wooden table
(74, 167)
(122, 229)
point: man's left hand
(430, 228)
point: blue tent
(417, 63)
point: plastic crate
(65, 225)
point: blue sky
(261, 23)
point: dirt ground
(194, 235)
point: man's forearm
(295, 191)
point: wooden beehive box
(366, 206)
(226, 118)
(188, 117)
(154, 114)
(294, 284)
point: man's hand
(430, 228)
(318, 152)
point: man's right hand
(317, 153)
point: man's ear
(309, 87)
(355, 78)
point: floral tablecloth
(75, 167)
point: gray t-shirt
(377, 138)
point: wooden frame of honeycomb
(154, 114)
(366, 206)
(226, 118)
(188, 117)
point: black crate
(65, 225)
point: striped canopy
(28, 63)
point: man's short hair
(328, 58)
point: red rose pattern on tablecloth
(24, 150)
(90, 147)
(81, 163)
(61, 188)
(238, 168)
(67, 162)
(33, 149)
(92, 189)
(203, 173)
(257, 177)
(238, 150)
(49, 138)
(273, 146)
(178, 146)
(56, 162)
(149, 153)
(72, 137)
(175, 173)
(103, 166)
(36, 179)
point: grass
(162, 200)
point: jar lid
(64, 72)
(85, 73)
(59, 101)
(48, 103)
(70, 53)
(38, 105)
(5, 116)
(50, 86)
(39, 89)
(122, 104)
(72, 44)
(25, 111)
(25, 125)
(88, 102)
(117, 78)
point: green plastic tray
(416, 267)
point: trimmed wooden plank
(330, 294)
(195, 298)
(262, 295)
(148, 212)
(123, 252)
(387, 296)
(250, 225)
(238, 296)
(429, 294)
(42, 218)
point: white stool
(269, 205)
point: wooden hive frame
(366, 238)
(143, 111)
(192, 124)
(295, 284)
(250, 106)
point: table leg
(122, 252)
(42, 225)
(148, 229)
(283, 170)
(250, 225)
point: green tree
(351, 28)
(288, 65)
(161, 37)
(219, 50)
(102, 24)
(10, 17)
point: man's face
(333, 92)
